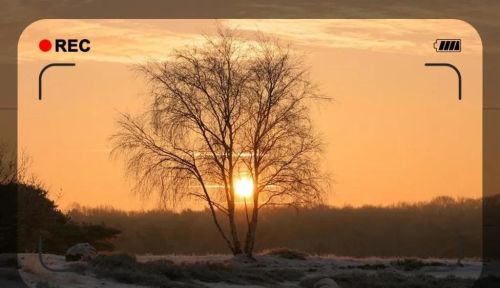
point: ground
(236, 272)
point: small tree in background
(229, 109)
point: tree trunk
(216, 221)
(231, 207)
(234, 234)
(251, 233)
(234, 231)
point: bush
(410, 264)
(113, 261)
(286, 253)
(37, 216)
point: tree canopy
(228, 109)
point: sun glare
(244, 187)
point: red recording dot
(45, 45)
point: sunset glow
(244, 187)
(391, 117)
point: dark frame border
(482, 15)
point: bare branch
(230, 106)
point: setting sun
(244, 187)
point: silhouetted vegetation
(286, 253)
(38, 216)
(444, 227)
(8, 215)
(27, 214)
(409, 264)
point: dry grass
(163, 273)
(389, 280)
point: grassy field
(282, 268)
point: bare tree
(15, 169)
(227, 108)
(8, 166)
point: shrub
(410, 264)
(113, 261)
(286, 253)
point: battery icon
(448, 45)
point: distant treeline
(443, 227)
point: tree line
(443, 227)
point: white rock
(326, 283)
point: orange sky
(395, 131)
